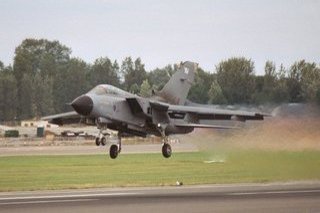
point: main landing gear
(115, 149)
(166, 148)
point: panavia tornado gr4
(164, 114)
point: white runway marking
(46, 201)
(274, 192)
(67, 196)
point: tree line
(44, 78)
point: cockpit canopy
(106, 89)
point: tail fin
(177, 88)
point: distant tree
(26, 98)
(236, 78)
(270, 78)
(8, 93)
(281, 93)
(199, 90)
(134, 72)
(134, 88)
(318, 96)
(42, 98)
(310, 82)
(258, 95)
(272, 87)
(34, 56)
(145, 89)
(294, 80)
(39, 55)
(265, 86)
(127, 68)
(70, 84)
(103, 71)
(303, 81)
(160, 76)
(215, 94)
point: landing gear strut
(115, 149)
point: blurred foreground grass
(86, 171)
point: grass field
(65, 172)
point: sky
(165, 32)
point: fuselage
(109, 106)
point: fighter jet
(164, 114)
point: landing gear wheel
(113, 151)
(103, 141)
(98, 141)
(166, 150)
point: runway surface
(291, 197)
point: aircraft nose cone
(83, 105)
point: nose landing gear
(101, 139)
(97, 141)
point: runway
(291, 197)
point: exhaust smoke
(293, 127)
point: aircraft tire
(103, 141)
(113, 151)
(166, 150)
(98, 141)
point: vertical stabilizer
(177, 88)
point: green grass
(65, 172)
